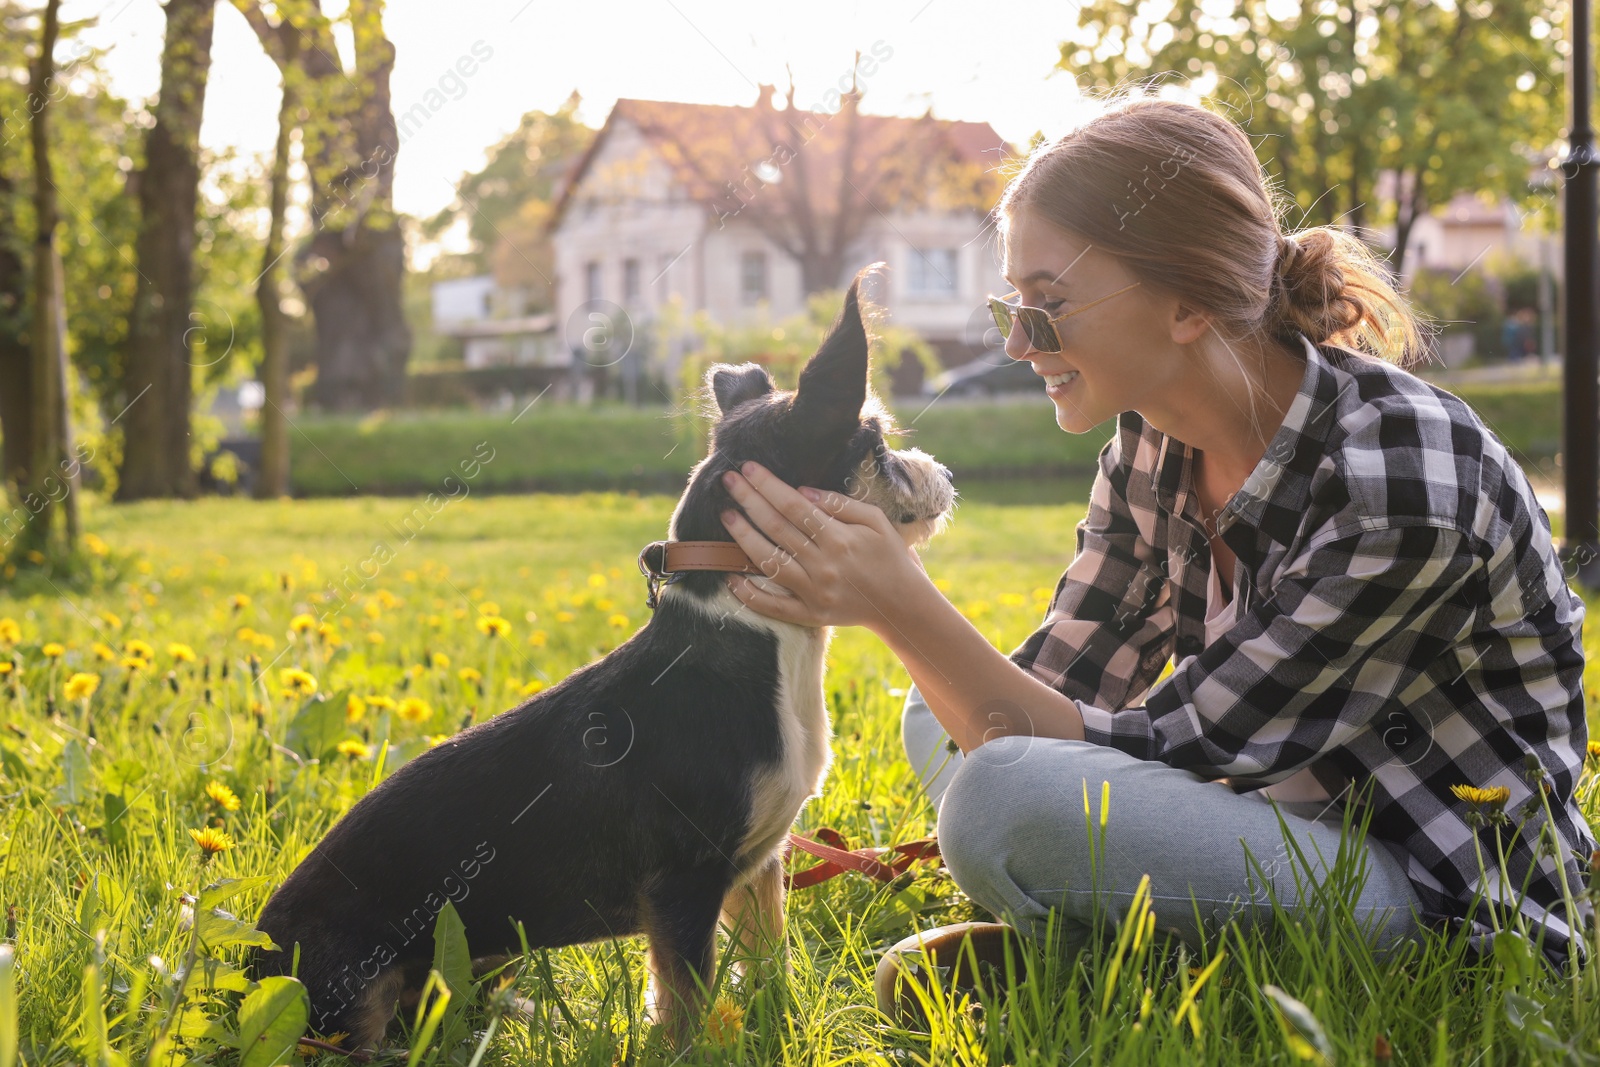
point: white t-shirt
(1220, 615)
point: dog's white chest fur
(778, 791)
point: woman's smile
(1058, 384)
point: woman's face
(1117, 356)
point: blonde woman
(1351, 578)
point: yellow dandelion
(301, 623)
(264, 641)
(180, 653)
(468, 674)
(35, 556)
(53, 649)
(565, 616)
(135, 647)
(10, 632)
(416, 670)
(372, 609)
(493, 626)
(104, 651)
(239, 601)
(374, 638)
(436, 621)
(1594, 750)
(538, 638)
(95, 544)
(245, 633)
(1478, 796)
(440, 661)
(211, 841)
(134, 663)
(354, 708)
(353, 749)
(328, 634)
(112, 619)
(6, 667)
(296, 681)
(81, 686)
(724, 1022)
(386, 703)
(435, 740)
(618, 620)
(225, 798)
(388, 600)
(488, 607)
(532, 687)
(415, 709)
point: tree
(827, 176)
(52, 475)
(1446, 97)
(158, 373)
(352, 267)
(504, 206)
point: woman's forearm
(972, 688)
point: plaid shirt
(1403, 625)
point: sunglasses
(1038, 324)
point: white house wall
(627, 206)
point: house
(741, 211)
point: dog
(651, 791)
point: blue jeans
(1014, 835)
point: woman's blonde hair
(1175, 192)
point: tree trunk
(50, 479)
(16, 372)
(157, 376)
(1411, 206)
(358, 251)
(273, 479)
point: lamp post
(1581, 371)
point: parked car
(991, 373)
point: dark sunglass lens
(1041, 333)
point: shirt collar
(1275, 496)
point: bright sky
(969, 61)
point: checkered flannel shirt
(1405, 625)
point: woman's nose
(1017, 345)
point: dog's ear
(734, 385)
(833, 386)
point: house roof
(719, 153)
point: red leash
(838, 857)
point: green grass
(563, 448)
(95, 853)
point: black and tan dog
(651, 791)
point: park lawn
(93, 834)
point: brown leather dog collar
(664, 562)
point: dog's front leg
(753, 914)
(680, 919)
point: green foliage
(1461, 302)
(527, 165)
(1457, 96)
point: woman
(1354, 580)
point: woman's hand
(841, 561)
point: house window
(752, 277)
(591, 280)
(630, 281)
(933, 272)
